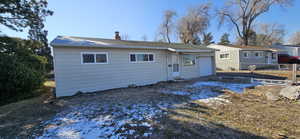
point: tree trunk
(168, 38)
(245, 40)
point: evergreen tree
(207, 38)
(224, 39)
(22, 14)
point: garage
(205, 66)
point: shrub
(21, 73)
(252, 68)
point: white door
(205, 66)
(175, 65)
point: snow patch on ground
(94, 121)
(110, 120)
(209, 91)
(235, 87)
(181, 93)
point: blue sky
(100, 18)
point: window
(188, 60)
(141, 57)
(224, 56)
(94, 57)
(88, 58)
(274, 55)
(258, 54)
(245, 54)
(132, 57)
(175, 67)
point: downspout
(239, 60)
(167, 68)
(54, 90)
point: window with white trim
(188, 60)
(224, 56)
(274, 55)
(258, 54)
(141, 57)
(94, 57)
(246, 54)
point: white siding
(188, 72)
(226, 64)
(287, 49)
(72, 76)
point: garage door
(205, 66)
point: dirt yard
(270, 74)
(201, 108)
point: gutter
(134, 47)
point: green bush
(22, 72)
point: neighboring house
(233, 57)
(92, 64)
(292, 50)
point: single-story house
(292, 50)
(93, 64)
(233, 57)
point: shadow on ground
(188, 122)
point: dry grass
(252, 113)
(22, 118)
(249, 115)
(279, 73)
(197, 120)
(50, 84)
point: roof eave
(193, 51)
(132, 47)
(111, 46)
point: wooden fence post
(294, 74)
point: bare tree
(166, 28)
(194, 24)
(295, 38)
(251, 39)
(243, 13)
(269, 34)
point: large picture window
(188, 60)
(94, 58)
(141, 57)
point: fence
(270, 81)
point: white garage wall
(188, 72)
